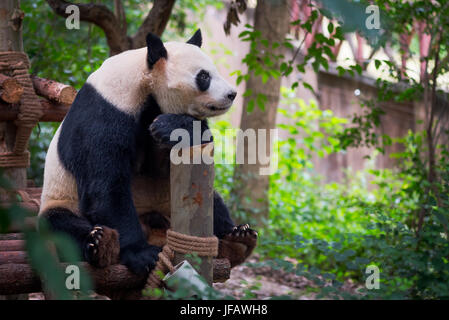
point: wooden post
(11, 40)
(192, 195)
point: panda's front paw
(238, 244)
(140, 258)
(163, 126)
(102, 247)
(161, 129)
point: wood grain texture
(54, 90)
(191, 189)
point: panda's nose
(231, 95)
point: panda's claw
(242, 231)
(238, 244)
(102, 247)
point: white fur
(120, 80)
(125, 81)
(59, 189)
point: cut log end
(11, 91)
(53, 90)
(67, 95)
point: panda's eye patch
(203, 80)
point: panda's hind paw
(244, 234)
(102, 247)
(238, 244)
(140, 258)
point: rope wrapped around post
(16, 64)
(182, 243)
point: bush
(336, 230)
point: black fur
(161, 129)
(164, 124)
(156, 50)
(153, 158)
(202, 80)
(223, 223)
(63, 220)
(155, 220)
(103, 148)
(196, 39)
(97, 145)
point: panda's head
(180, 76)
(185, 80)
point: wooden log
(53, 90)
(221, 267)
(29, 205)
(7, 257)
(11, 40)
(11, 236)
(191, 197)
(10, 91)
(30, 222)
(33, 192)
(53, 111)
(222, 270)
(11, 18)
(20, 278)
(16, 278)
(12, 245)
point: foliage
(72, 54)
(263, 61)
(355, 228)
(38, 145)
(39, 245)
(69, 56)
(398, 220)
(335, 230)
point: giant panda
(106, 176)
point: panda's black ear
(196, 39)
(156, 49)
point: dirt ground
(265, 282)
(258, 283)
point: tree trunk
(11, 40)
(272, 20)
(114, 24)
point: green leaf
(377, 63)
(250, 106)
(308, 86)
(330, 27)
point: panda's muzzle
(214, 108)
